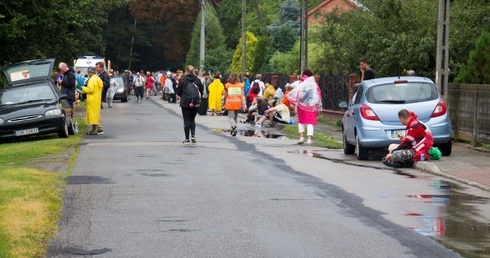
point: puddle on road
(254, 133)
(455, 219)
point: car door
(352, 114)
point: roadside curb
(434, 169)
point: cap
(91, 69)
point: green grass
(30, 197)
(319, 139)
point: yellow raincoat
(94, 99)
(216, 89)
(269, 91)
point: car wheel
(362, 153)
(71, 128)
(124, 99)
(348, 148)
(446, 148)
(63, 133)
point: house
(327, 6)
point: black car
(31, 103)
(122, 92)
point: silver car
(371, 119)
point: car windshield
(405, 92)
(119, 81)
(25, 94)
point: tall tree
(477, 70)
(217, 58)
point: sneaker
(233, 131)
(308, 142)
(301, 140)
(193, 139)
(100, 131)
(258, 125)
(186, 141)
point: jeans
(189, 116)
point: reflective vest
(234, 97)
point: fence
(469, 109)
(334, 87)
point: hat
(91, 69)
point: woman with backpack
(234, 100)
(189, 91)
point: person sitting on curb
(417, 142)
(277, 112)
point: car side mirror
(343, 104)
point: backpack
(256, 87)
(193, 95)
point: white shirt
(261, 85)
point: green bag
(435, 153)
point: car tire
(348, 148)
(63, 133)
(71, 128)
(362, 153)
(124, 99)
(446, 148)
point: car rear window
(20, 94)
(405, 92)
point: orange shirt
(234, 96)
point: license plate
(397, 133)
(26, 132)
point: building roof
(353, 3)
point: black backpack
(256, 88)
(193, 95)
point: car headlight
(1, 121)
(53, 112)
(120, 90)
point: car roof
(386, 80)
(30, 70)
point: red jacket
(418, 137)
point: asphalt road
(137, 191)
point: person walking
(189, 109)
(307, 98)
(216, 89)
(112, 91)
(149, 84)
(234, 100)
(138, 87)
(94, 92)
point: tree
(217, 57)
(477, 70)
(236, 63)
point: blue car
(371, 119)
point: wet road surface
(138, 192)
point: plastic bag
(435, 153)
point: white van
(84, 62)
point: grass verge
(319, 139)
(30, 195)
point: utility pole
(203, 37)
(132, 42)
(442, 56)
(244, 39)
(304, 36)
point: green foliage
(217, 57)
(250, 55)
(477, 70)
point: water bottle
(75, 127)
(422, 157)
